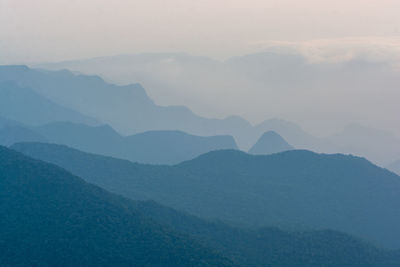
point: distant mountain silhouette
(16, 134)
(23, 105)
(394, 167)
(292, 133)
(270, 143)
(157, 147)
(299, 189)
(128, 109)
(257, 80)
(52, 218)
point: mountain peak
(270, 142)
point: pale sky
(36, 31)
(53, 30)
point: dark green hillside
(296, 189)
(271, 246)
(52, 218)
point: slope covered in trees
(52, 218)
(299, 189)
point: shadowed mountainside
(50, 217)
(299, 189)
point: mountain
(394, 167)
(126, 108)
(272, 246)
(156, 147)
(270, 143)
(260, 83)
(54, 218)
(16, 134)
(292, 133)
(296, 189)
(24, 105)
(50, 217)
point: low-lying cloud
(374, 49)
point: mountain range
(294, 189)
(126, 108)
(155, 147)
(129, 110)
(52, 217)
(283, 83)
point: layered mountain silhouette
(129, 110)
(16, 134)
(156, 147)
(270, 143)
(52, 218)
(24, 105)
(297, 189)
(273, 75)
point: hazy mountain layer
(126, 108)
(156, 147)
(270, 143)
(321, 94)
(297, 189)
(24, 105)
(129, 110)
(15, 134)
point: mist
(199, 133)
(332, 63)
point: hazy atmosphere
(352, 38)
(200, 133)
(61, 29)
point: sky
(42, 31)
(54, 30)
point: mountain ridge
(55, 218)
(297, 188)
(269, 143)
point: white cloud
(375, 49)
